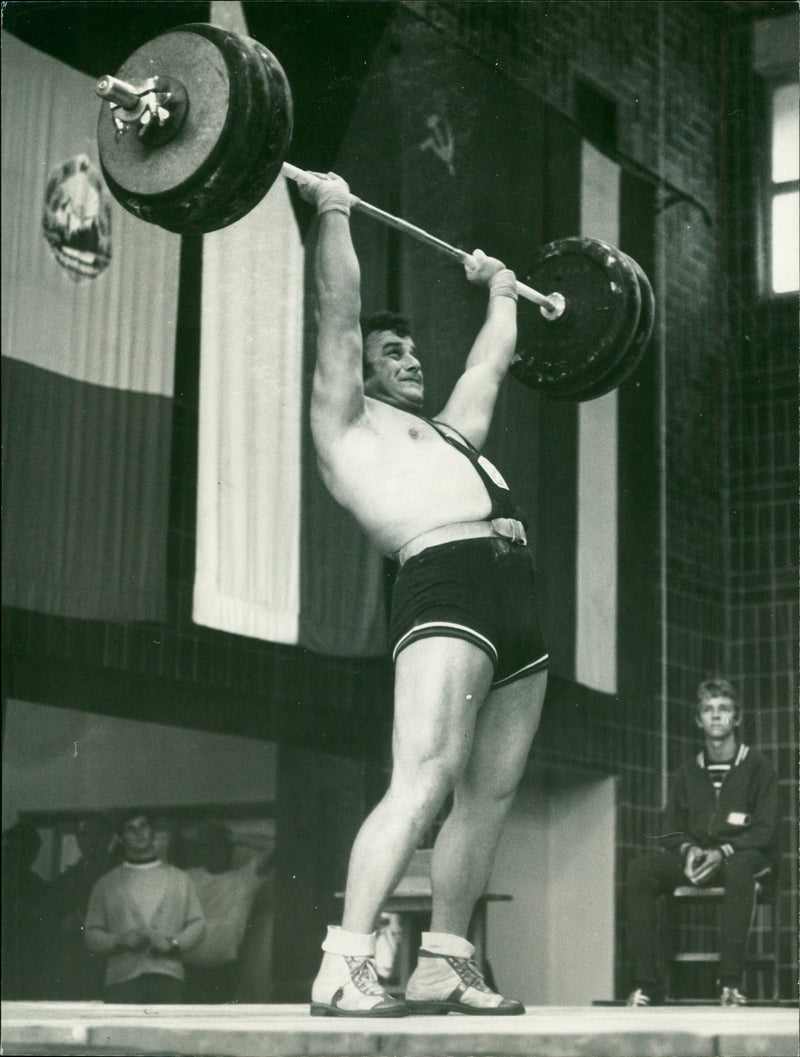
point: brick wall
(762, 347)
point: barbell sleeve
(551, 308)
(120, 92)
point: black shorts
(482, 590)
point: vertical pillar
(321, 803)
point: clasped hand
(132, 940)
(479, 268)
(136, 939)
(159, 944)
(315, 187)
(702, 863)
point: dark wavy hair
(393, 321)
(128, 814)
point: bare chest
(405, 452)
(399, 477)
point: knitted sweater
(742, 814)
(117, 906)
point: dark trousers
(149, 989)
(660, 873)
(207, 985)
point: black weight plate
(138, 169)
(562, 357)
(637, 348)
(240, 81)
(255, 162)
(254, 152)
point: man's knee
(493, 787)
(490, 800)
(422, 786)
(741, 868)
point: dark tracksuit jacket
(743, 815)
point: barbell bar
(194, 130)
(151, 101)
(552, 305)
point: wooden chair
(760, 960)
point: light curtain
(88, 343)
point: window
(783, 189)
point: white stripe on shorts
(536, 665)
(444, 626)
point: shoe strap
(469, 972)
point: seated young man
(720, 828)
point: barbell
(194, 130)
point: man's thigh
(744, 866)
(504, 730)
(441, 682)
(661, 869)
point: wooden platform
(88, 1029)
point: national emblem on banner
(77, 218)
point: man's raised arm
(471, 404)
(338, 390)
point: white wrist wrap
(503, 284)
(353, 944)
(333, 197)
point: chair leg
(668, 945)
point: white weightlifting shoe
(352, 989)
(443, 983)
(347, 982)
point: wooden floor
(89, 1029)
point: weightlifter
(470, 663)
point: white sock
(353, 944)
(447, 943)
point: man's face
(717, 717)
(137, 838)
(394, 375)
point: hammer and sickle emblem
(440, 141)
